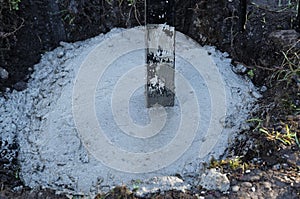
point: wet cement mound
(82, 125)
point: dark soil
(39, 26)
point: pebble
(3, 73)
(246, 184)
(256, 94)
(254, 178)
(239, 69)
(18, 188)
(285, 166)
(267, 185)
(66, 45)
(263, 89)
(276, 167)
(235, 188)
(19, 86)
(60, 54)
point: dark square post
(160, 52)
(298, 16)
(242, 15)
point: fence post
(160, 52)
(58, 30)
(298, 15)
(242, 15)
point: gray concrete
(98, 84)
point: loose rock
(19, 86)
(267, 185)
(263, 89)
(60, 54)
(246, 184)
(235, 188)
(239, 69)
(3, 73)
(252, 178)
(256, 94)
(285, 38)
(214, 180)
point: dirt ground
(269, 163)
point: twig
(269, 10)
(4, 35)
(256, 66)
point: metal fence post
(242, 15)
(298, 15)
(160, 52)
